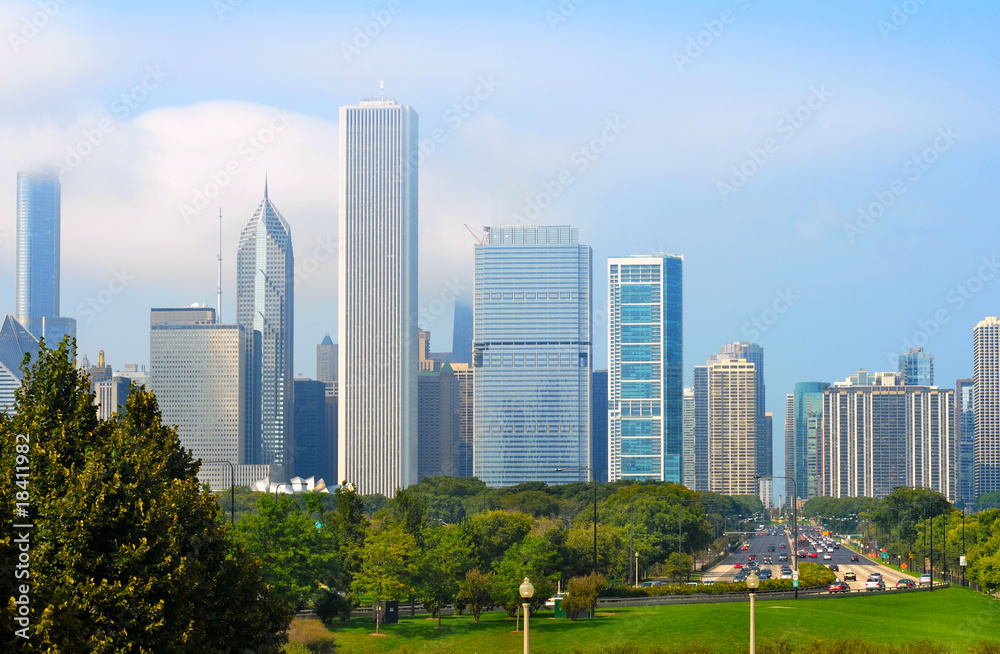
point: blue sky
(884, 80)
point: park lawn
(955, 617)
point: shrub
(581, 594)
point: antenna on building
(218, 292)
(382, 88)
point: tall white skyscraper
(377, 432)
(986, 404)
(264, 308)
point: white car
(925, 579)
(874, 583)
(827, 557)
(551, 602)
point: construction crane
(480, 240)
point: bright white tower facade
(377, 430)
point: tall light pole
(753, 582)
(526, 590)
(232, 489)
(593, 478)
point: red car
(812, 555)
(737, 565)
(782, 546)
(753, 557)
(838, 587)
(744, 548)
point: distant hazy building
(102, 371)
(36, 270)
(461, 340)
(312, 443)
(110, 396)
(916, 367)
(199, 372)
(879, 436)
(803, 423)
(438, 449)
(331, 431)
(645, 367)
(965, 432)
(15, 342)
(986, 405)
(732, 420)
(326, 360)
(599, 424)
(688, 459)
(425, 363)
(532, 355)
(377, 296)
(264, 308)
(133, 372)
(465, 379)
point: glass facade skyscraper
(264, 307)
(803, 423)
(532, 355)
(36, 275)
(645, 368)
(965, 430)
(599, 424)
(917, 367)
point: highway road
(758, 544)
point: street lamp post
(526, 590)
(232, 489)
(593, 478)
(753, 582)
(636, 569)
(277, 488)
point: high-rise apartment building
(110, 396)
(532, 355)
(326, 360)
(688, 455)
(965, 432)
(754, 354)
(878, 436)
(36, 270)
(701, 440)
(803, 423)
(732, 424)
(986, 406)
(599, 424)
(645, 367)
(916, 367)
(15, 342)
(265, 278)
(466, 416)
(377, 301)
(198, 370)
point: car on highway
(836, 546)
(925, 579)
(782, 546)
(737, 565)
(855, 559)
(764, 574)
(905, 583)
(782, 557)
(834, 567)
(874, 583)
(838, 587)
(752, 557)
(827, 557)
(744, 548)
(850, 576)
(813, 555)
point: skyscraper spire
(218, 292)
(265, 185)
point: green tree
(387, 565)
(350, 524)
(300, 559)
(127, 554)
(582, 593)
(442, 565)
(678, 567)
(535, 558)
(534, 503)
(477, 592)
(493, 532)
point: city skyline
(880, 114)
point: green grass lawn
(955, 617)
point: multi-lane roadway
(759, 543)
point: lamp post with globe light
(526, 590)
(753, 582)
